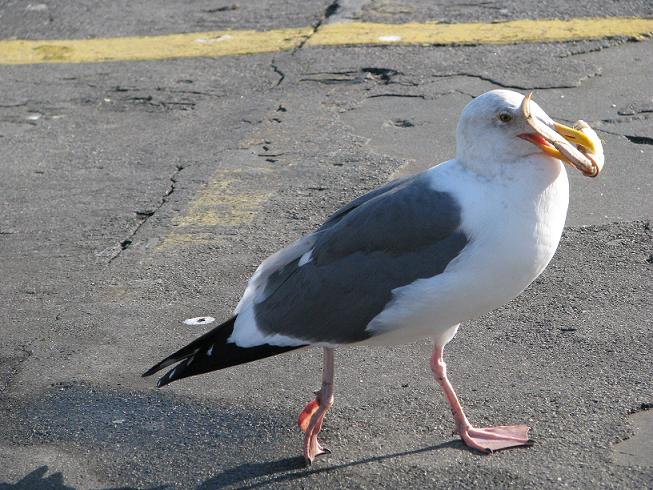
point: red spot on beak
(535, 138)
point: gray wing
(386, 239)
(338, 215)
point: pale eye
(505, 117)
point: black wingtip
(149, 372)
(190, 349)
(211, 352)
(168, 361)
(169, 377)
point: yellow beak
(570, 134)
(578, 146)
(576, 137)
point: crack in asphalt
(19, 104)
(601, 130)
(225, 8)
(278, 71)
(354, 76)
(383, 76)
(422, 96)
(188, 92)
(639, 116)
(615, 42)
(149, 102)
(493, 81)
(331, 10)
(146, 215)
(639, 140)
(462, 92)
(412, 96)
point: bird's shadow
(38, 479)
(295, 468)
(285, 469)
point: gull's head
(503, 126)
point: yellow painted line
(222, 203)
(512, 32)
(197, 44)
(177, 239)
(230, 199)
(232, 43)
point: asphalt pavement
(136, 194)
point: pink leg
(311, 418)
(487, 439)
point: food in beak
(596, 155)
(579, 146)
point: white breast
(513, 221)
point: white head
(494, 128)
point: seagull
(414, 258)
